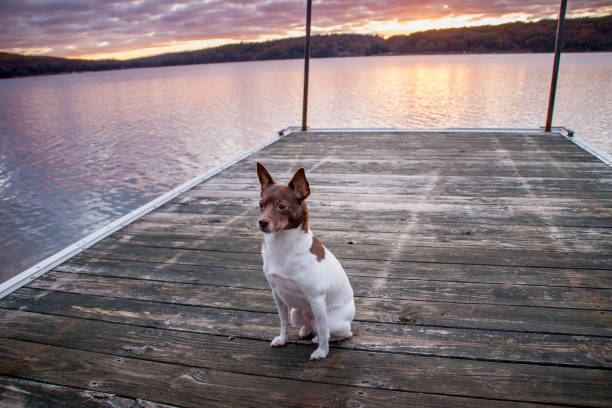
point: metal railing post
(555, 73)
(306, 65)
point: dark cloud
(78, 27)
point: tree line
(580, 35)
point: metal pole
(306, 65)
(555, 73)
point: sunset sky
(127, 29)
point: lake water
(77, 151)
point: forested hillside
(581, 35)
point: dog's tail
(296, 318)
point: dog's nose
(263, 224)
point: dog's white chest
(287, 266)
(290, 291)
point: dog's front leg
(319, 310)
(283, 314)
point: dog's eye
(261, 205)
(281, 206)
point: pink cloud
(75, 27)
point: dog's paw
(319, 354)
(279, 341)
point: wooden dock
(481, 264)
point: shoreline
(318, 58)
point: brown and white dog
(309, 286)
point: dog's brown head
(282, 207)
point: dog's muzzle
(263, 225)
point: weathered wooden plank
(371, 336)
(172, 255)
(397, 274)
(456, 145)
(183, 385)
(440, 144)
(246, 207)
(401, 135)
(447, 189)
(441, 235)
(16, 392)
(491, 140)
(288, 162)
(404, 251)
(404, 167)
(597, 219)
(417, 163)
(202, 191)
(468, 155)
(424, 162)
(219, 353)
(329, 153)
(368, 310)
(260, 299)
(167, 272)
(425, 165)
(435, 182)
(447, 236)
(422, 154)
(323, 222)
(430, 157)
(380, 288)
(422, 205)
(193, 386)
(171, 346)
(436, 313)
(239, 355)
(416, 225)
(354, 229)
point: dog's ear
(265, 179)
(300, 185)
